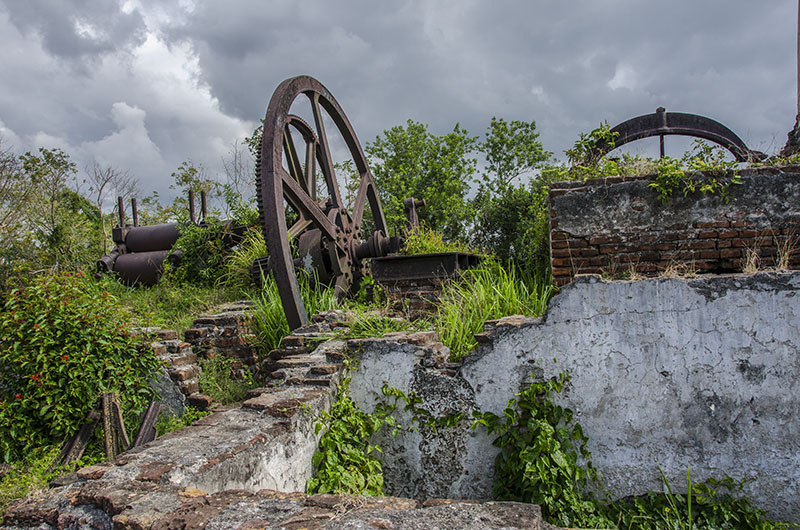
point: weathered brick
(714, 224)
(730, 253)
(698, 245)
(194, 334)
(561, 253)
(559, 236)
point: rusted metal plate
(422, 266)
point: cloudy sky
(143, 85)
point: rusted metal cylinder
(106, 263)
(143, 268)
(151, 238)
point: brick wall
(618, 226)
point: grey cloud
(74, 29)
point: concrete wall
(676, 373)
(613, 225)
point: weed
(543, 459)
(752, 261)
(372, 324)
(484, 294)
(425, 240)
(345, 460)
(787, 248)
(223, 380)
(269, 319)
(679, 270)
(171, 422)
(26, 477)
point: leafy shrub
(539, 457)
(223, 380)
(681, 175)
(62, 343)
(204, 249)
(344, 460)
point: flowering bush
(63, 342)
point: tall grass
(269, 320)
(487, 293)
(167, 305)
(240, 259)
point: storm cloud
(144, 87)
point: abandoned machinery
(330, 244)
(662, 123)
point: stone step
(286, 352)
(298, 361)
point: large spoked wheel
(324, 234)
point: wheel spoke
(292, 160)
(325, 153)
(306, 206)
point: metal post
(134, 212)
(191, 206)
(121, 209)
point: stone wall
(683, 374)
(618, 226)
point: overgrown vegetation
(167, 305)
(345, 460)
(224, 380)
(27, 476)
(543, 459)
(424, 240)
(269, 320)
(482, 294)
(64, 341)
(171, 422)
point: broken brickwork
(618, 226)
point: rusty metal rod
(191, 206)
(134, 212)
(121, 209)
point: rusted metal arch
(662, 123)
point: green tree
(511, 219)
(512, 149)
(61, 224)
(411, 162)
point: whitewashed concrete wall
(701, 374)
